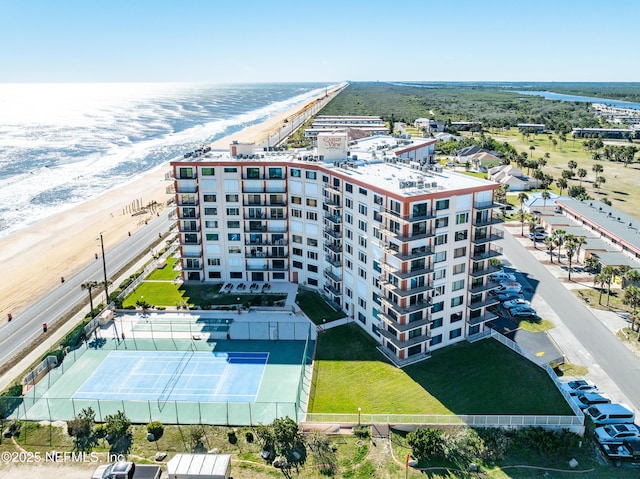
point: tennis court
(166, 368)
(176, 376)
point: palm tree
(632, 298)
(570, 248)
(522, 217)
(89, 285)
(608, 272)
(545, 196)
(522, 197)
(600, 280)
(580, 241)
(572, 164)
(592, 264)
(597, 168)
(632, 276)
(532, 149)
(562, 184)
(551, 245)
(581, 174)
(559, 236)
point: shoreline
(37, 256)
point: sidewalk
(573, 350)
(15, 374)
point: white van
(502, 276)
(610, 414)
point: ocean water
(62, 144)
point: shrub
(361, 432)
(156, 428)
(426, 443)
(75, 336)
(249, 437)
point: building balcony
(335, 247)
(488, 316)
(406, 218)
(408, 274)
(333, 233)
(490, 301)
(488, 286)
(494, 236)
(266, 242)
(188, 229)
(187, 203)
(263, 254)
(333, 290)
(266, 229)
(415, 253)
(332, 189)
(264, 203)
(403, 327)
(492, 253)
(336, 219)
(403, 292)
(404, 344)
(412, 308)
(328, 272)
(334, 204)
(192, 176)
(334, 262)
(485, 205)
(185, 242)
(268, 189)
(265, 267)
(488, 222)
(404, 239)
(189, 216)
(191, 254)
(484, 271)
(185, 267)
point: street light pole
(104, 268)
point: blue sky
(272, 40)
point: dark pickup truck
(628, 451)
(127, 470)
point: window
(436, 340)
(210, 211)
(442, 205)
(439, 290)
(230, 169)
(459, 268)
(233, 224)
(312, 282)
(362, 241)
(442, 222)
(296, 213)
(312, 202)
(362, 303)
(362, 318)
(461, 235)
(312, 267)
(209, 198)
(253, 173)
(377, 217)
(233, 236)
(459, 252)
(362, 191)
(440, 239)
(296, 200)
(208, 171)
(457, 285)
(297, 251)
(348, 218)
(378, 200)
(462, 218)
(362, 225)
(297, 264)
(235, 275)
(348, 248)
(439, 274)
(233, 211)
(414, 333)
(278, 276)
(311, 175)
(215, 275)
(231, 198)
(362, 209)
(348, 264)
(295, 173)
(234, 250)
(275, 173)
(212, 236)
(420, 209)
(312, 216)
(456, 333)
(213, 261)
(186, 173)
(362, 273)
(455, 317)
(312, 255)
(440, 257)
(348, 202)
(437, 307)
(362, 257)
(437, 323)
(296, 239)
(348, 292)
(348, 187)
(348, 233)
(457, 301)
(312, 242)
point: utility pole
(104, 269)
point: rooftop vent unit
(434, 185)
(618, 218)
(630, 225)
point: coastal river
(549, 95)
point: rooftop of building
(617, 223)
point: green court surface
(282, 389)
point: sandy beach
(35, 258)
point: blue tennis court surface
(176, 376)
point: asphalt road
(27, 324)
(618, 362)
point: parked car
(615, 433)
(589, 399)
(579, 387)
(501, 276)
(538, 236)
(508, 296)
(508, 287)
(628, 451)
(523, 311)
(450, 164)
(602, 414)
(512, 303)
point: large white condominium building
(399, 245)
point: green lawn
(480, 378)
(170, 294)
(316, 308)
(167, 273)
